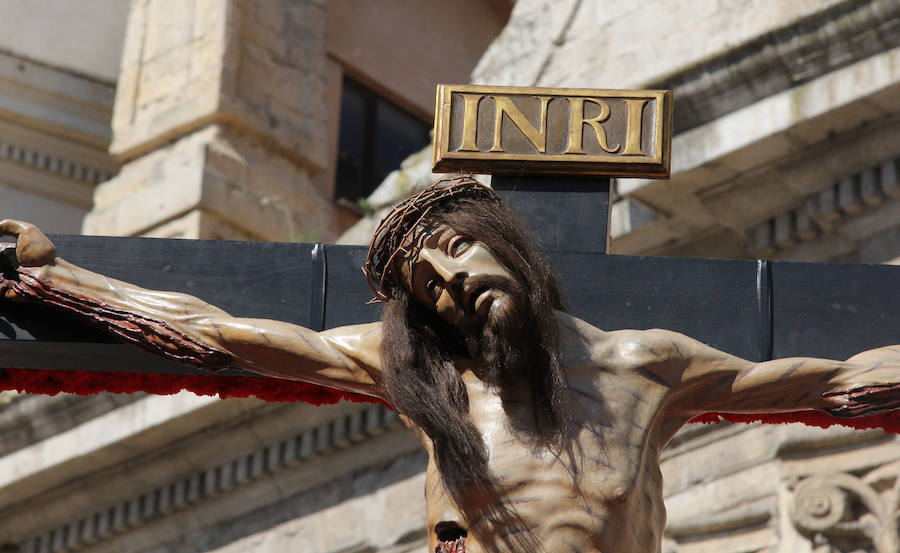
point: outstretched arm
(188, 329)
(703, 379)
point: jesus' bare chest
(600, 491)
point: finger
(33, 248)
(12, 227)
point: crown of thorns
(392, 238)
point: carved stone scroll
(840, 511)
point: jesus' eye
(458, 244)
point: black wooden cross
(752, 308)
(756, 309)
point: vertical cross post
(583, 202)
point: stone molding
(54, 132)
(822, 212)
(772, 61)
(211, 171)
(38, 158)
(750, 514)
(206, 483)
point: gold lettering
(577, 123)
(537, 138)
(633, 127)
(470, 121)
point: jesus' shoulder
(695, 378)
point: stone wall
(604, 44)
(257, 65)
(780, 488)
(80, 38)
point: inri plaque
(495, 129)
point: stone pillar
(219, 121)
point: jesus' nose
(448, 269)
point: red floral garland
(889, 422)
(52, 382)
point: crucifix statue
(543, 431)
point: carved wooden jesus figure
(544, 432)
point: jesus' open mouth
(451, 537)
(456, 546)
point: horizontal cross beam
(754, 309)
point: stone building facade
(224, 126)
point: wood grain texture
(834, 310)
(562, 214)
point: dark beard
(423, 382)
(507, 339)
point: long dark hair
(423, 383)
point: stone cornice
(39, 158)
(292, 453)
(743, 516)
(736, 170)
(54, 130)
(28, 419)
(55, 102)
(826, 212)
(57, 68)
(781, 59)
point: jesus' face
(457, 277)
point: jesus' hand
(33, 248)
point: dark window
(375, 136)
